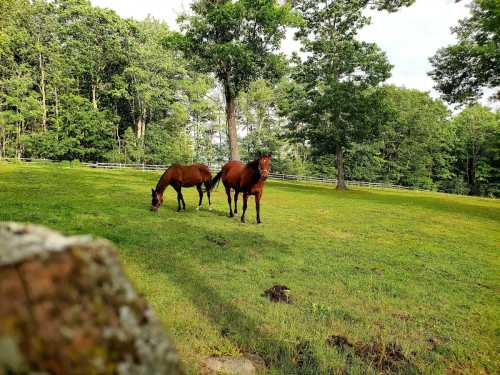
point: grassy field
(382, 268)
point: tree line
(78, 82)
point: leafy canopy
(236, 40)
(463, 70)
(330, 102)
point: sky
(409, 37)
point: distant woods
(79, 82)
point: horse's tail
(215, 181)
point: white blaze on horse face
(264, 166)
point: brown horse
(179, 176)
(245, 178)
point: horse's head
(264, 165)
(157, 200)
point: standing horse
(179, 176)
(245, 178)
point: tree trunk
(141, 124)
(44, 96)
(18, 141)
(94, 96)
(339, 164)
(56, 98)
(2, 150)
(232, 131)
(473, 183)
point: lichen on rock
(71, 309)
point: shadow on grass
(246, 333)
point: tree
(261, 123)
(477, 133)
(415, 139)
(237, 41)
(331, 103)
(202, 111)
(95, 42)
(463, 71)
(154, 74)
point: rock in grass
(68, 308)
(228, 365)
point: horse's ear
(259, 154)
(270, 154)
(153, 192)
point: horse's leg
(257, 205)
(178, 190)
(236, 193)
(200, 192)
(207, 188)
(245, 200)
(228, 192)
(182, 198)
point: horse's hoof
(210, 208)
(197, 208)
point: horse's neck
(252, 174)
(163, 183)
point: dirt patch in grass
(389, 357)
(339, 342)
(382, 357)
(219, 241)
(278, 293)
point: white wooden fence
(216, 167)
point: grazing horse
(179, 176)
(244, 178)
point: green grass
(417, 269)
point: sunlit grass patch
(415, 269)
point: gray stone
(72, 309)
(229, 365)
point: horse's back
(231, 173)
(192, 175)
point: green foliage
(82, 133)
(415, 138)
(57, 57)
(237, 42)
(365, 162)
(259, 120)
(162, 146)
(78, 82)
(133, 150)
(463, 70)
(331, 104)
(476, 146)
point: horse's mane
(254, 165)
(161, 183)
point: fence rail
(215, 166)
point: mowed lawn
(382, 268)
